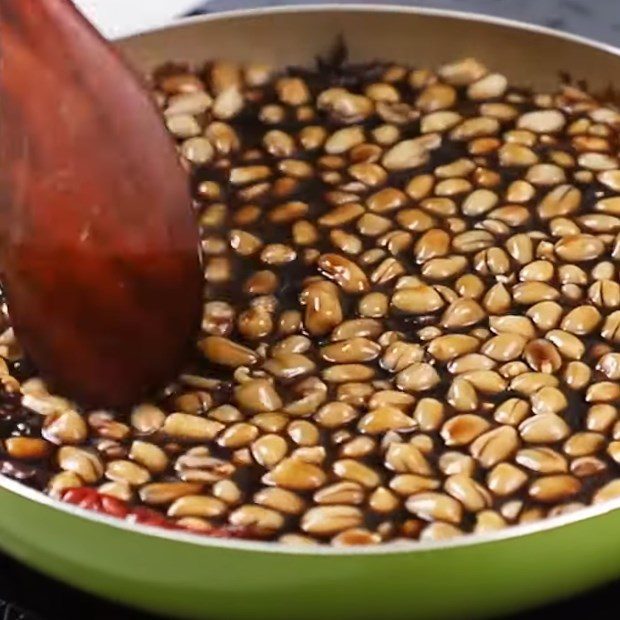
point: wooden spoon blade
(99, 244)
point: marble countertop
(598, 19)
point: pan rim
(274, 547)
(375, 8)
(466, 540)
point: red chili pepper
(84, 498)
(146, 516)
(91, 499)
(114, 506)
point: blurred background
(599, 19)
(117, 17)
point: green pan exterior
(196, 581)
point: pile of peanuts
(411, 323)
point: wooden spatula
(99, 247)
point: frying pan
(186, 575)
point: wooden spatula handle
(99, 247)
